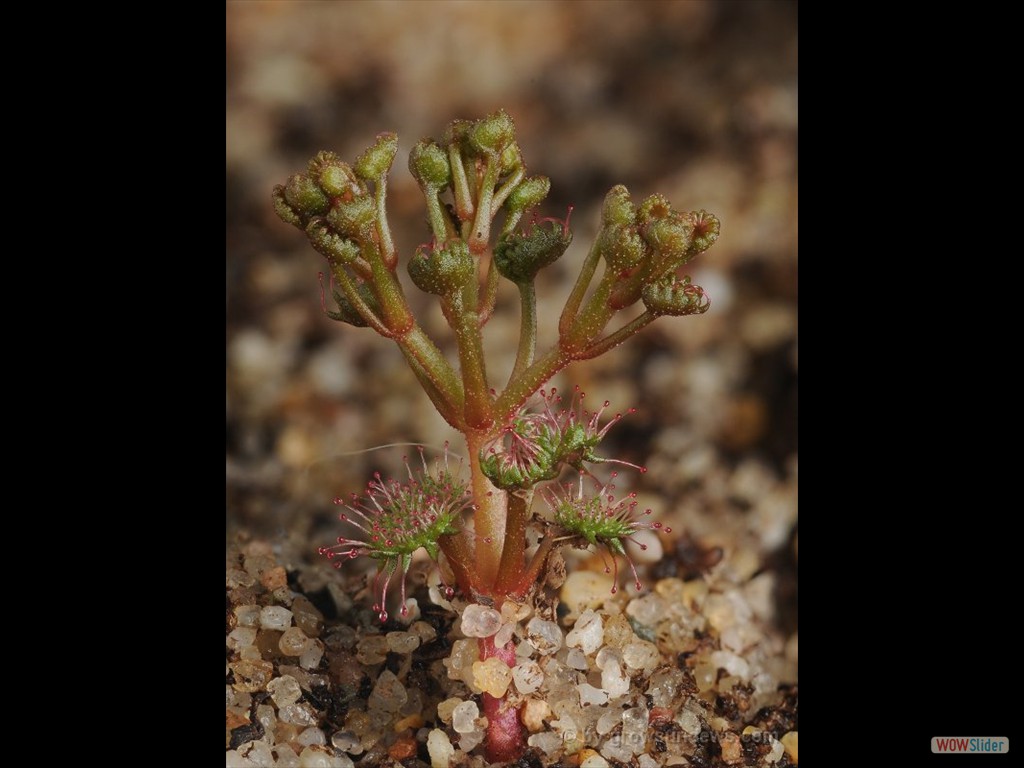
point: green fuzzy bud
(352, 218)
(528, 194)
(671, 296)
(623, 249)
(334, 176)
(284, 211)
(653, 208)
(444, 271)
(706, 228)
(305, 197)
(519, 257)
(456, 132)
(618, 208)
(511, 159)
(493, 134)
(376, 160)
(330, 244)
(670, 236)
(346, 310)
(428, 164)
(338, 181)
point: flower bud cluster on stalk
(478, 194)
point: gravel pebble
(285, 690)
(545, 636)
(275, 617)
(251, 676)
(440, 749)
(587, 633)
(534, 713)
(480, 621)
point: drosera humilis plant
(469, 177)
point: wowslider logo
(971, 744)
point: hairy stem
(502, 193)
(395, 309)
(527, 330)
(459, 557)
(481, 234)
(592, 319)
(511, 568)
(387, 245)
(460, 185)
(478, 409)
(448, 409)
(617, 337)
(440, 222)
(531, 575)
(489, 516)
(490, 297)
(416, 344)
(364, 310)
(579, 290)
(519, 391)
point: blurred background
(694, 99)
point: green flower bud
(492, 134)
(706, 227)
(670, 236)
(305, 197)
(284, 211)
(653, 208)
(456, 132)
(376, 160)
(623, 249)
(511, 159)
(330, 244)
(352, 218)
(520, 256)
(444, 271)
(334, 176)
(618, 208)
(346, 310)
(528, 194)
(428, 164)
(671, 296)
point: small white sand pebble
(587, 634)
(275, 617)
(545, 636)
(480, 621)
(464, 717)
(528, 676)
(440, 749)
(284, 690)
(591, 696)
(613, 680)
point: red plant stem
(503, 742)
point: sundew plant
(521, 440)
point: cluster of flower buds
(472, 173)
(345, 222)
(643, 247)
(396, 518)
